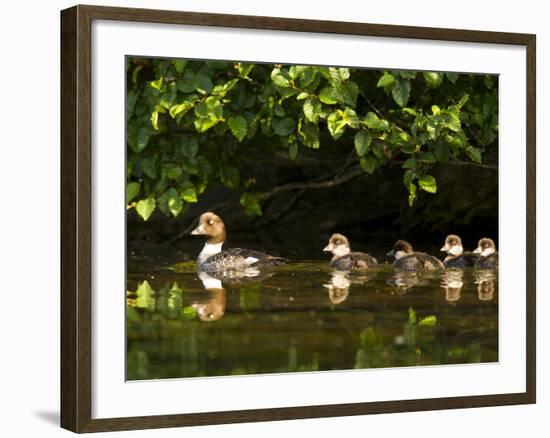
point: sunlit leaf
(146, 207)
(428, 184)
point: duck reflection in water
(403, 281)
(340, 282)
(452, 282)
(212, 306)
(338, 288)
(485, 281)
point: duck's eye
(211, 222)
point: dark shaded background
(372, 210)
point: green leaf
(428, 184)
(408, 178)
(190, 195)
(157, 85)
(244, 69)
(215, 108)
(463, 100)
(433, 79)
(336, 125)
(170, 202)
(189, 147)
(362, 142)
(428, 321)
(410, 163)
(202, 125)
(385, 80)
(372, 121)
(238, 126)
(474, 154)
(309, 134)
(283, 127)
(179, 65)
(280, 78)
(132, 190)
(148, 167)
(338, 75)
(412, 193)
(146, 207)
(138, 137)
(401, 92)
(412, 316)
(202, 83)
(251, 204)
(326, 95)
(173, 172)
(312, 109)
(346, 93)
(368, 164)
(293, 150)
(155, 120)
(187, 83)
(452, 77)
(230, 176)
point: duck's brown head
(453, 245)
(338, 245)
(485, 247)
(400, 249)
(211, 226)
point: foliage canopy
(186, 120)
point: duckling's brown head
(485, 247)
(453, 245)
(338, 245)
(401, 249)
(211, 226)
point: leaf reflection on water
(306, 317)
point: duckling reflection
(485, 281)
(340, 282)
(403, 281)
(452, 282)
(213, 307)
(338, 288)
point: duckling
(488, 255)
(456, 257)
(345, 260)
(408, 260)
(213, 259)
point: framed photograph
(268, 218)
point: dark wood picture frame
(76, 201)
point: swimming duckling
(456, 257)
(488, 255)
(345, 260)
(213, 259)
(408, 260)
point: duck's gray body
(465, 260)
(418, 261)
(488, 262)
(354, 261)
(238, 259)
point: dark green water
(305, 317)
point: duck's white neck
(209, 250)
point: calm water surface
(304, 317)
